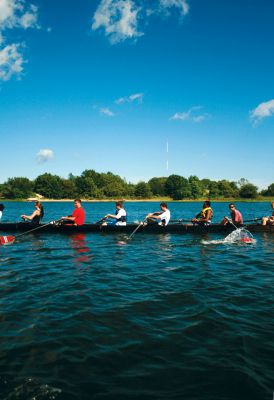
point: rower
(160, 217)
(78, 216)
(37, 214)
(236, 217)
(270, 219)
(120, 216)
(1, 210)
(205, 215)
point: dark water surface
(164, 317)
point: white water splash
(240, 235)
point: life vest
(203, 212)
(123, 218)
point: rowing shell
(176, 228)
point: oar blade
(6, 240)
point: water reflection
(83, 253)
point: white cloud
(129, 99)
(118, 18)
(107, 112)
(11, 62)
(29, 19)
(16, 14)
(182, 5)
(262, 111)
(183, 116)
(191, 115)
(44, 155)
(7, 12)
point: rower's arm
(30, 217)
(111, 216)
(69, 218)
(195, 219)
(155, 215)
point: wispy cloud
(181, 5)
(44, 155)
(107, 112)
(263, 110)
(11, 61)
(118, 19)
(192, 114)
(30, 18)
(138, 97)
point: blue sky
(102, 84)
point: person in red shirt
(78, 216)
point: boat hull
(153, 229)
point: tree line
(94, 185)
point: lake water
(164, 317)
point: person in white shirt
(1, 210)
(161, 217)
(120, 214)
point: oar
(236, 227)
(100, 220)
(136, 229)
(252, 220)
(133, 233)
(180, 220)
(5, 240)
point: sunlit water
(162, 317)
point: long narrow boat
(177, 228)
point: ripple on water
(161, 318)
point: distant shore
(166, 199)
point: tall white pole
(167, 155)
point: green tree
(157, 186)
(114, 189)
(248, 191)
(85, 186)
(49, 185)
(113, 185)
(270, 190)
(69, 189)
(195, 187)
(241, 182)
(142, 190)
(177, 187)
(214, 190)
(95, 176)
(17, 188)
(227, 189)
